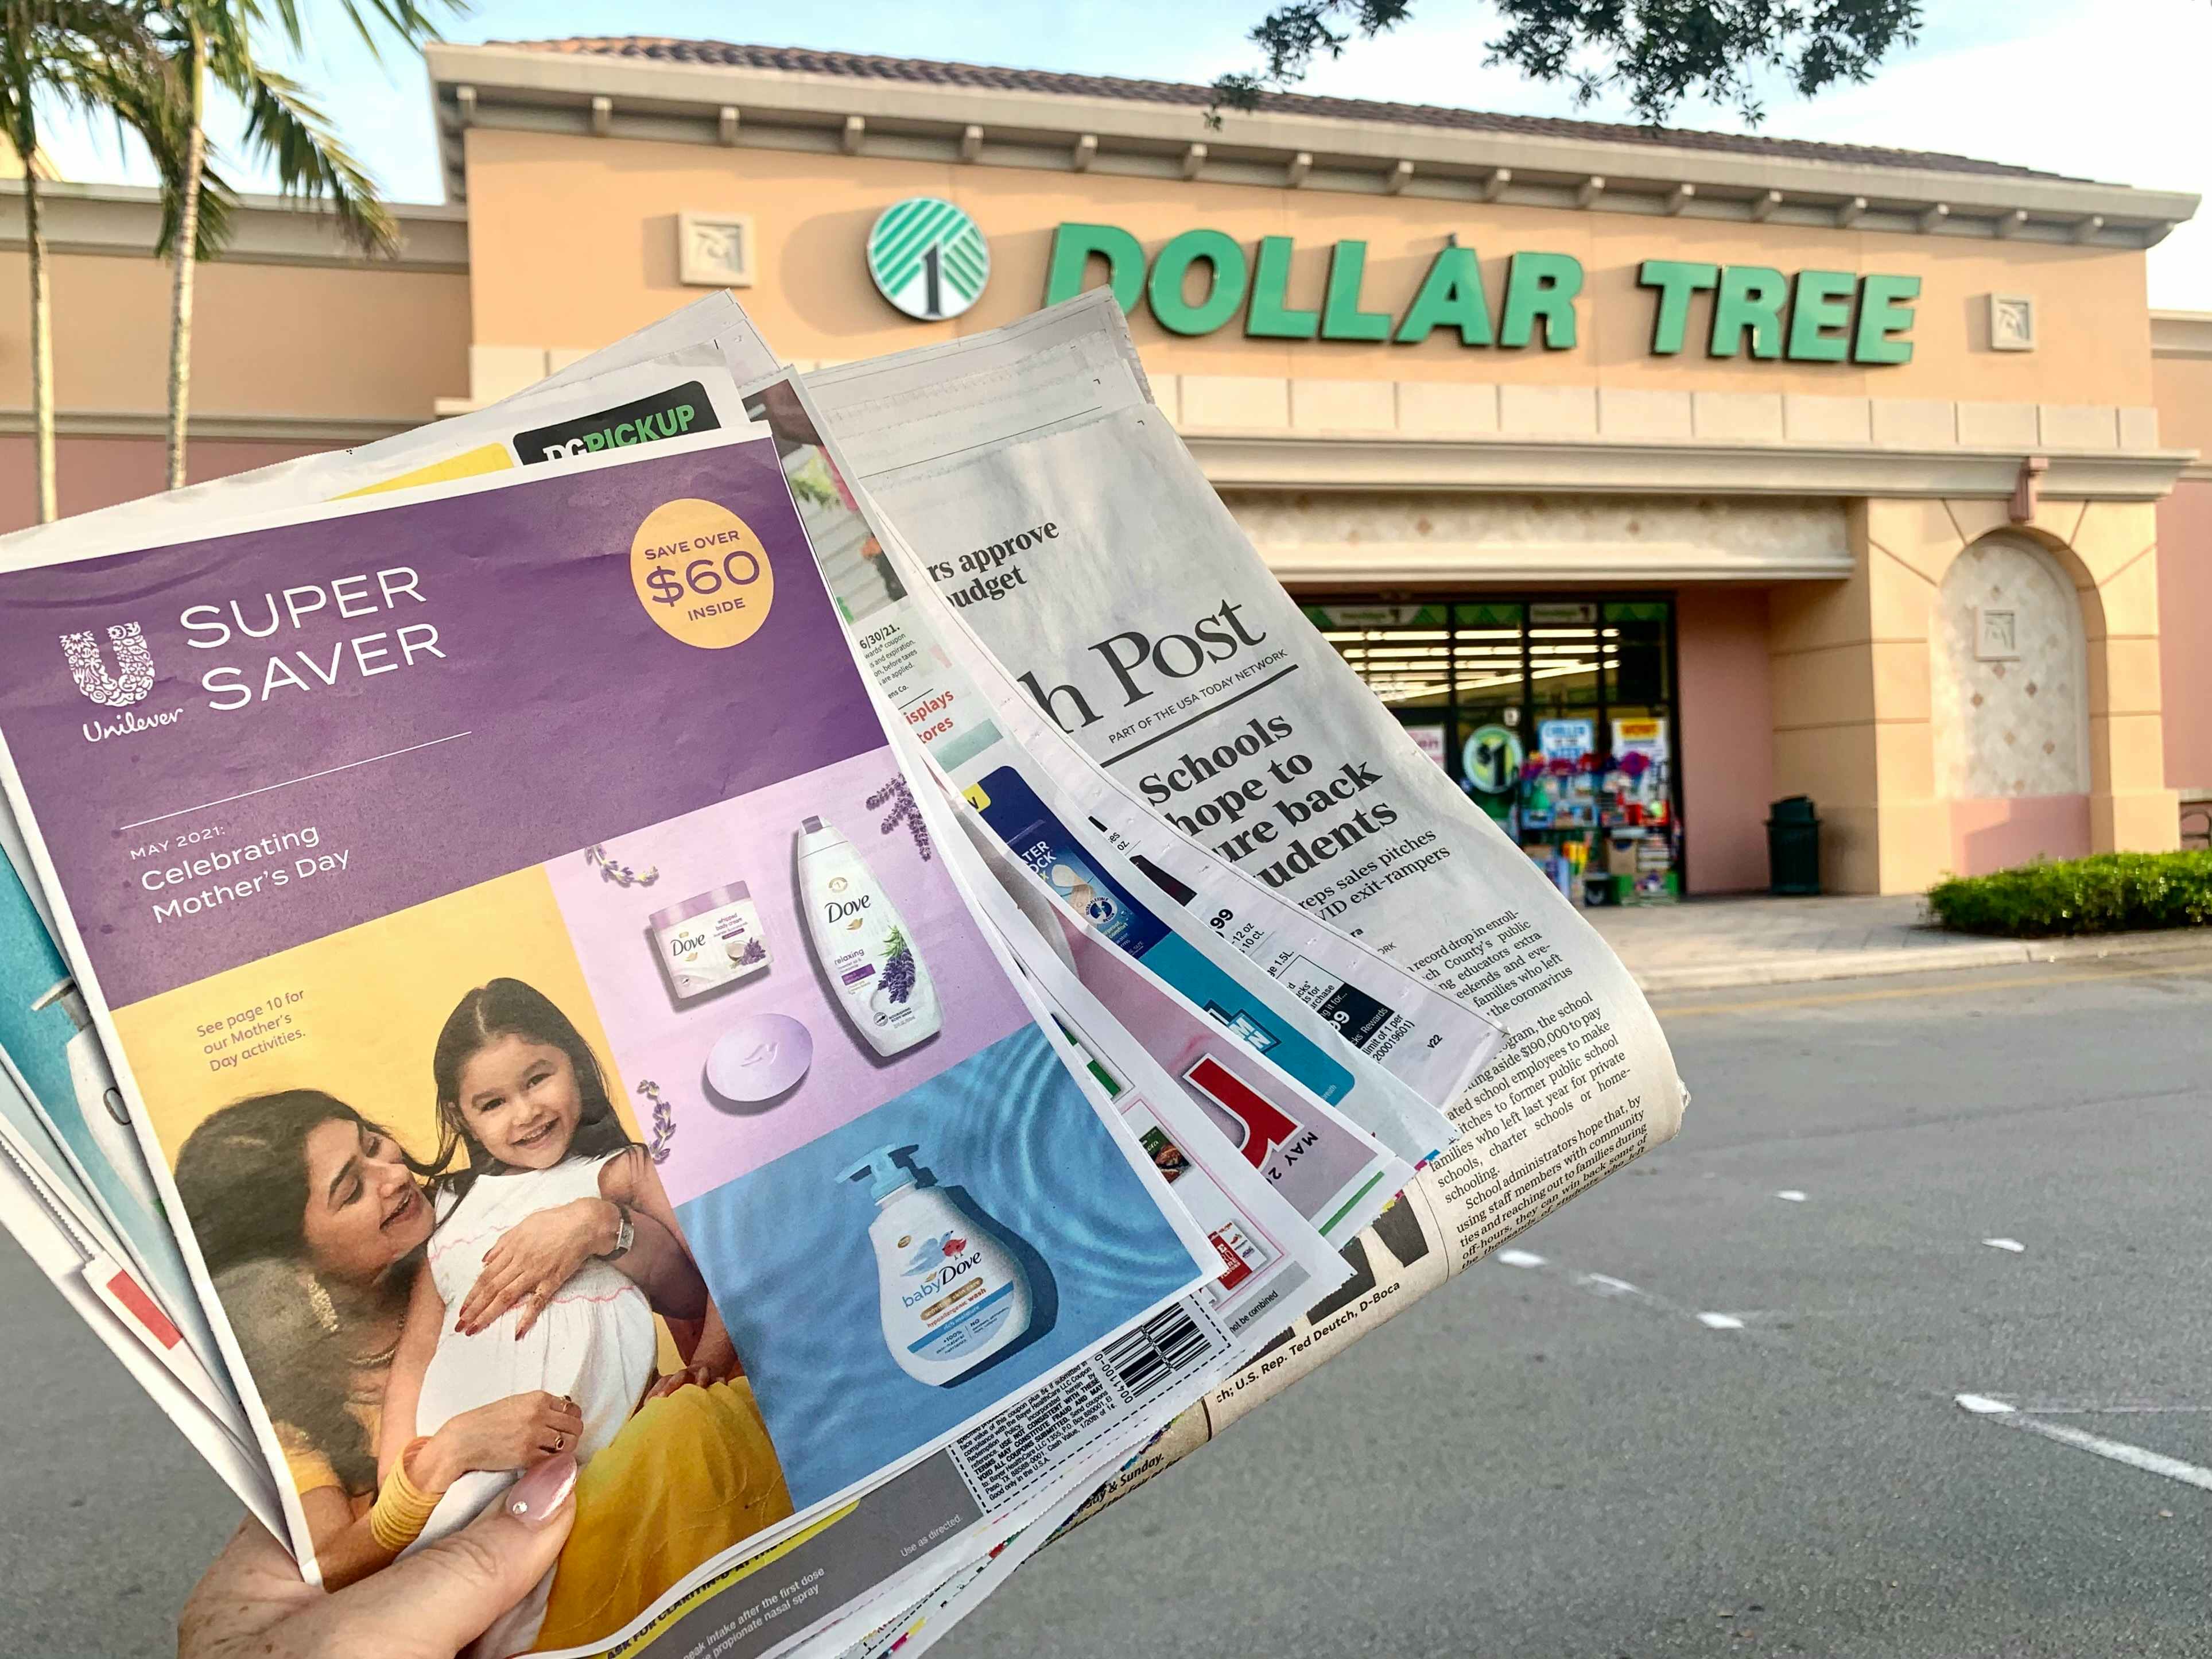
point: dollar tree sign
(928, 258)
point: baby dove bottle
(874, 967)
(950, 1294)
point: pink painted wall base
(1727, 737)
(90, 473)
(2184, 632)
(1997, 834)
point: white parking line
(1790, 1195)
(1619, 1290)
(2122, 1409)
(1605, 1284)
(2150, 1462)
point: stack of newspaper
(831, 945)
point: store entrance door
(1554, 714)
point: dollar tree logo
(928, 258)
(1491, 759)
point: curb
(1914, 959)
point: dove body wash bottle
(874, 967)
(951, 1296)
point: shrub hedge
(2109, 893)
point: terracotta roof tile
(863, 67)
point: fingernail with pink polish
(538, 1496)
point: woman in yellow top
(312, 1220)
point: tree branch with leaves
(1655, 53)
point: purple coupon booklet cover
(551, 1026)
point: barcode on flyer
(1166, 1346)
(1031, 1441)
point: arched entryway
(2009, 697)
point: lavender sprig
(664, 1121)
(904, 809)
(898, 967)
(613, 870)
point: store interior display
(1555, 715)
(1602, 824)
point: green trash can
(1793, 849)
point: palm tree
(216, 41)
(70, 54)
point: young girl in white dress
(554, 1247)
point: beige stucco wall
(572, 243)
(2181, 387)
(277, 341)
(1854, 714)
(1468, 536)
(1849, 661)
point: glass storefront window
(1495, 687)
(1459, 665)
(1490, 648)
(1403, 652)
(1638, 658)
(1565, 657)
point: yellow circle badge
(702, 574)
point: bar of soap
(759, 1057)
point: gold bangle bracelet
(402, 1508)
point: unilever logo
(132, 682)
(129, 683)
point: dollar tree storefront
(1649, 477)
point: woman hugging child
(554, 1249)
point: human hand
(253, 1602)
(512, 1433)
(691, 1376)
(534, 1258)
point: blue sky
(2065, 85)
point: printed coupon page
(547, 1029)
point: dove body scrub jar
(710, 941)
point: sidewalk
(1708, 944)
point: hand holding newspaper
(851, 969)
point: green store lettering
(1814, 317)
(1200, 280)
